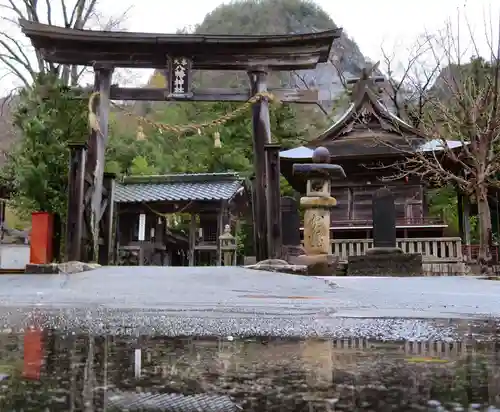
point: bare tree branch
(457, 102)
(15, 56)
(306, 85)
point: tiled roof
(178, 187)
(131, 401)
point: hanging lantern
(217, 142)
(140, 133)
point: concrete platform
(241, 302)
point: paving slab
(232, 301)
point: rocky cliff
(291, 16)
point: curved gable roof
(368, 126)
(208, 52)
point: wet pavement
(284, 342)
(240, 302)
(155, 373)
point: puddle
(45, 370)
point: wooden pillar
(460, 213)
(273, 204)
(117, 238)
(159, 238)
(466, 217)
(261, 136)
(425, 202)
(106, 249)
(57, 238)
(97, 146)
(237, 229)
(253, 198)
(2, 217)
(74, 223)
(192, 240)
(220, 230)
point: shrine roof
(150, 50)
(434, 145)
(369, 128)
(178, 188)
(147, 401)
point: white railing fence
(440, 255)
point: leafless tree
(462, 105)
(407, 85)
(335, 61)
(16, 55)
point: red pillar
(42, 227)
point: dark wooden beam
(273, 203)
(74, 224)
(209, 52)
(106, 250)
(261, 137)
(194, 207)
(285, 62)
(105, 75)
(90, 163)
(192, 240)
(220, 231)
(207, 95)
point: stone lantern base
(318, 265)
(386, 263)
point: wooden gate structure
(177, 55)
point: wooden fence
(441, 256)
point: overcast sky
(395, 24)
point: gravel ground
(240, 302)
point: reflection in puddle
(42, 371)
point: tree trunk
(484, 222)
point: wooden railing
(471, 253)
(422, 221)
(440, 255)
(405, 221)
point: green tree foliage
(195, 153)
(48, 117)
(140, 166)
(443, 203)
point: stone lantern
(228, 246)
(317, 204)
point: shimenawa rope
(180, 129)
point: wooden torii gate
(90, 212)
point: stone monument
(290, 229)
(384, 222)
(385, 258)
(317, 204)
